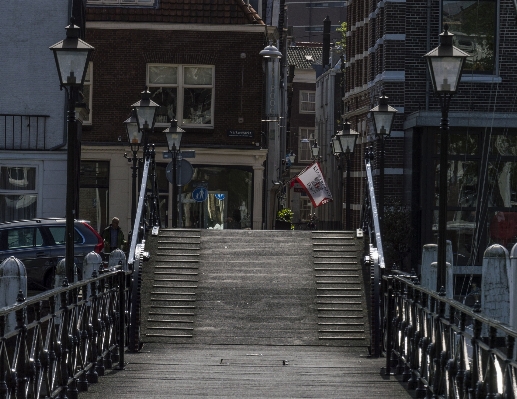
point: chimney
(326, 42)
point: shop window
(185, 93)
(94, 193)
(307, 102)
(304, 148)
(18, 194)
(473, 24)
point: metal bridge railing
(442, 348)
(64, 340)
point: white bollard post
(13, 278)
(92, 263)
(495, 290)
(117, 257)
(512, 280)
(429, 273)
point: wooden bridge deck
(240, 371)
(235, 314)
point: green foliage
(285, 215)
(342, 29)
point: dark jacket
(108, 245)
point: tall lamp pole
(174, 134)
(72, 56)
(343, 145)
(134, 136)
(445, 64)
(383, 116)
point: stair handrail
(371, 214)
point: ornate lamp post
(383, 116)
(174, 134)
(343, 144)
(134, 135)
(445, 64)
(72, 56)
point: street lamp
(383, 116)
(134, 135)
(72, 56)
(145, 110)
(445, 64)
(315, 150)
(343, 144)
(174, 134)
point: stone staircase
(253, 287)
(341, 303)
(170, 284)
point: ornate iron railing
(442, 348)
(65, 338)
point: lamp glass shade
(291, 157)
(315, 150)
(270, 52)
(72, 56)
(348, 141)
(134, 134)
(145, 115)
(336, 145)
(383, 121)
(445, 72)
(173, 139)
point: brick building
(200, 60)
(385, 44)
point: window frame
(473, 75)
(305, 148)
(180, 93)
(302, 101)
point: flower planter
(282, 225)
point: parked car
(40, 245)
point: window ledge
(481, 78)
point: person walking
(113, 237)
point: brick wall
(119, 76)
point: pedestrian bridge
(259, 314)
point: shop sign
(240, 133)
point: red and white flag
(312, 181)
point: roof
(303, 57)
(179, 11)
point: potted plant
(283, 219)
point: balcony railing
(24, 132)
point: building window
(139, 3)
(474, 25)
(304, 148)
(305, 209)
(307, 102)
(87, 93)
(186, 93)
(18, 195)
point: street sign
(184, 172)
(184, 154)
(200, 194)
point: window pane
(503, 145)
(197, 106)
(166, 97)
(17, 178)
(502, 184)
(473, 26)
(24, 238)
(59, 234)
(198, 76)
(304, 150)
(94, 193)
(503, 229)
(17, 207)
(462, 179)
(160, 74)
